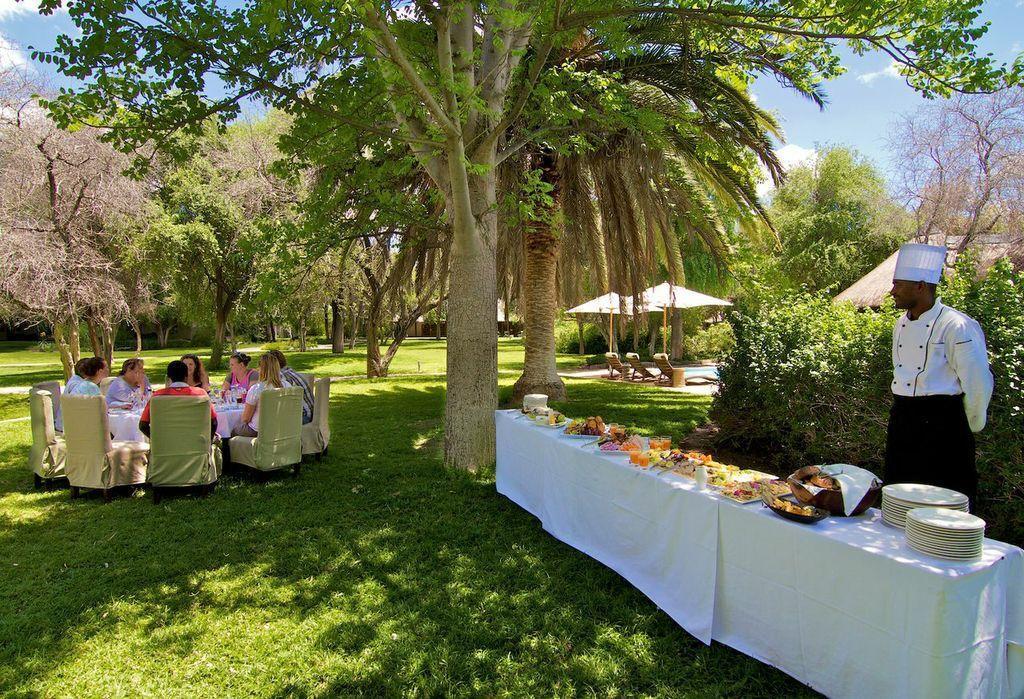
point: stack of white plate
(898, 499)
(945, 533)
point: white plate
(939, 518)
(939, 543)
(614, 453)
(921, 494)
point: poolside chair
(638, 368)
(665, 367)
(105, 385)
(181, 452)
(615, 365)
(316, 435)
(93, 460)
(46, 457)
(279, 442)
(54, 388)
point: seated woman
(240, 376)
(197, 377)
(131, 385)
(86, 379)
(269, 377)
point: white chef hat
(917, 262)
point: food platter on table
(805, 514)
(588, 428)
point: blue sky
(863, 103)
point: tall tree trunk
(302, 335)
(653, 328)
(540, 294)
(375, 366)
(137, 329)
(94, 336)
(355, 326)
(677, 333)
(579, 334)
(107, 335)
(327, 321)
(68, 353)
(337, 328)
(472, 357)
(219, 331)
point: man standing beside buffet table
(941, 380)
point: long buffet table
(844, 606)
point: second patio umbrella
(665, 296)
(612, 304)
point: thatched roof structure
(870, 290)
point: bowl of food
(804, 514)
(812, 487)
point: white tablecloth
(124, 425)
(844, 606)
(227, 418)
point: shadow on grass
(376, 572)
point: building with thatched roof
(870, 290)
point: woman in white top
(269, 377)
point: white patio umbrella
(612, 304)
(666, 296)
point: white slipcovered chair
(182, 452)
(278, 444)
(316, 435)
(93, 460)
(46, 457)
(54, 388)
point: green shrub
(279, 345)
(567, 339)
(808, 382)
(711, 343)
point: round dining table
(124, 424)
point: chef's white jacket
(943, 353)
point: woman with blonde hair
(269, 377)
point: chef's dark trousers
(929, 441)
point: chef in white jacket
(941, 380)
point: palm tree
(611, 212)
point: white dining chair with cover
(316, 435)
(278, 443)
(182, 452)
(93, 460)
(54, 388)
(46, 457)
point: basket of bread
(828, 487)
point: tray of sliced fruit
(783, 507)
(552, 419)
(741, 491)
(588, 428)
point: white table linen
(124, 425)
(227, 417)
(844, 606)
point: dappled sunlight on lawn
(378, 575)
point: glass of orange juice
(643, 459)
(634, 457)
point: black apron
(930, 441)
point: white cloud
(10, 8)
(890, 71)
(11, 55)
(790, 155)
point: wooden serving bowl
(831, 500)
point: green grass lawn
(376, 572)
(20, 365)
